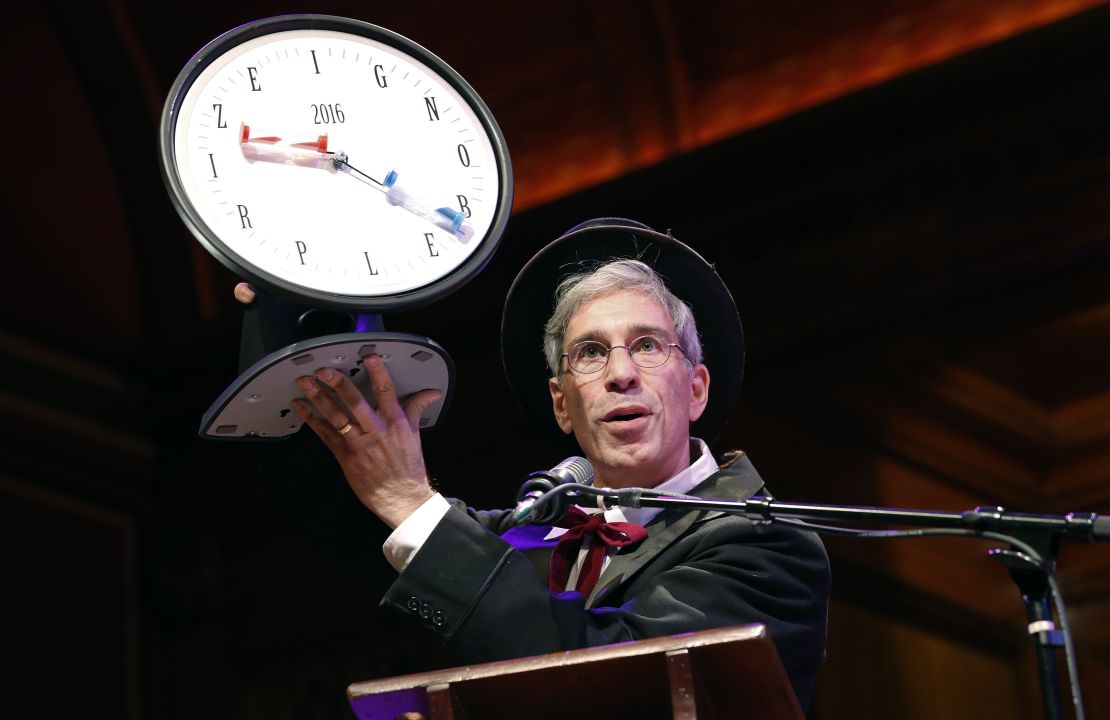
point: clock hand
(444, 217)
(320, 145)
(266, 149)
(339, 160)
(245, 136)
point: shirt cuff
(407, 538)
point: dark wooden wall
(921, 265)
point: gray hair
(631, 275)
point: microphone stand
(1031, 559)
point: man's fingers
(244, 293)
(325, 432)
(325, 406)
(417, 403)
(360, 411)
(385, 392)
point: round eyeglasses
(647, 351)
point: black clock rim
(409, 299)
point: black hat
(585, 247)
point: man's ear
(559, 405)
(699, 391)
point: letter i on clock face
(337, 162)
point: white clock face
(337, 164)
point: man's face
(633, 423)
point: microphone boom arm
(1036, 535)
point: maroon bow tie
(605, 534)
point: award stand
(725, 673)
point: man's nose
(620, 371)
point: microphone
(530, 509)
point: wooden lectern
(713, 675)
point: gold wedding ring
(345, 429)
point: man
(626, 379)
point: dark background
(910, 201)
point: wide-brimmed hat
(585, 247)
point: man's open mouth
(625, 414)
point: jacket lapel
(737, 481)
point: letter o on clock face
(335, 162)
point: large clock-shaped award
(342, 168)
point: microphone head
(1100, 528)
(574, 469)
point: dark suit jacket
(486, 595)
